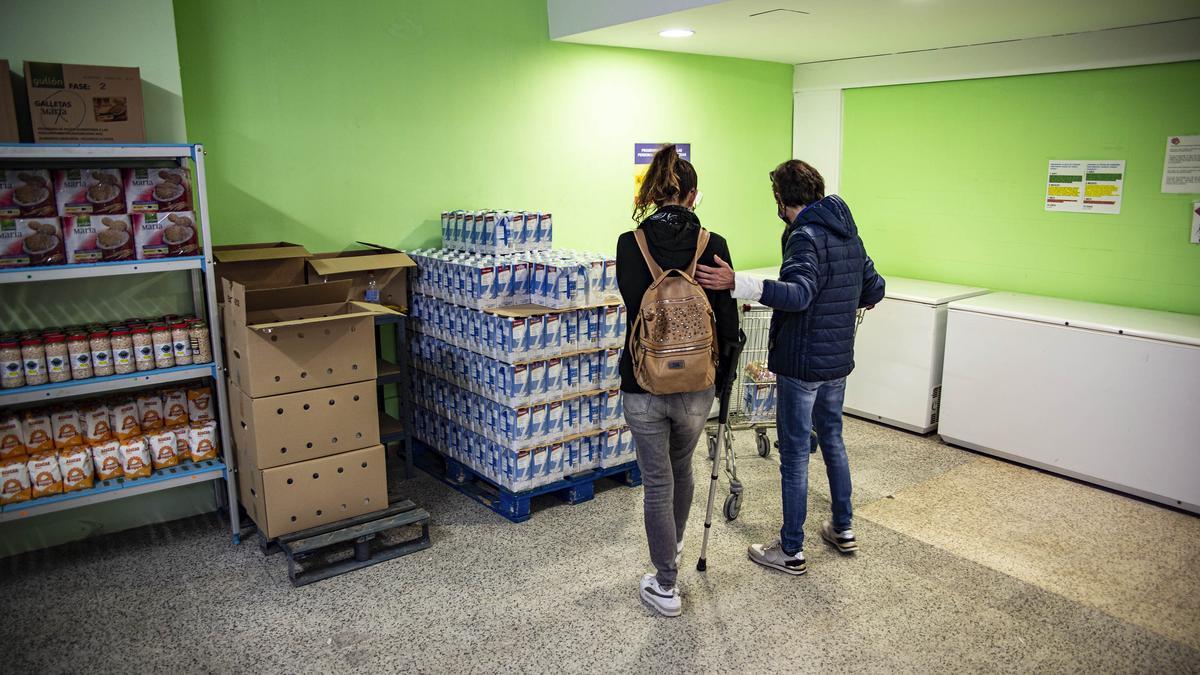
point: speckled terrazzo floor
(934, 589)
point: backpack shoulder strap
(701, 244)
(655, 270)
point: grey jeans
(666, 429)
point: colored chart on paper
(1085, 186)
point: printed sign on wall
(1181, 168)
(1085, 186)
(644, 152)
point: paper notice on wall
(1196, 222)
(643, 153)
(1085, 186)
(1181, 168)
(1064, 187)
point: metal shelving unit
(394, 431)
(204, 302)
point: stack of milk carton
(555, 279)
(517, 351)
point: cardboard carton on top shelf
(268, 265)
(84, 104)
(283, 340)
(294, 497)
(389, 267)
(9, 132)
(291, 428)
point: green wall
(947, 180)
(325, 124)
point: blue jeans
(801, 407)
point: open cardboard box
(283, 340)
(291, 428)
(267, 265)
(294, 497)
(389, 266)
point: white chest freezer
(898, 353)
(1107, 394)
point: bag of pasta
(65, 424)
(39, 435)
(107, 458)
(203, 441)
(150, 411)
(175, 407)
(14, 480)
(96, 427)
(44, 475)
(124, 418)
(199, 404)
(135, 458)
(75, 465)
(162, 449)
(12, 438)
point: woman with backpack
(676, 329)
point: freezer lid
(1144, 323)
(902, 288)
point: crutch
(727, 371)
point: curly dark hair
(797, 183)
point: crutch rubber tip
(701, 565)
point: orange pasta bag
(14, 480)
(175, 408)
(150, 411)
(44, 475)
(183, 442)
(162, 450)
(65, 424)
(107, 459)
(203, 441)
(75, 465)
(124, 418)
(199, 404)
(96, 427)
(38, 434)
(135, 458)
(12, 439)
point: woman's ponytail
(668, 178)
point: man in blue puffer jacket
(825, 278)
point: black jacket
(671, 234)
(826, 276)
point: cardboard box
(294, 497)
(158, 189)
(84, 192)
(283, 340)
(27, 193)
(270, 265)
(31, 242)
(84, 104)
(8, 107)
(305, 425)
(93, 239)
(165, 235)
(389, 266)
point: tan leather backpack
(673, 343)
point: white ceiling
(841, 29)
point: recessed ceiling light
(676, 33)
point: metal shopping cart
(752, 405)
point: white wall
(568, 17)
(137, 33)
(817, 133)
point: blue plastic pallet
(515, 505)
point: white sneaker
(842, 541)
(664, 602)
(772, 555)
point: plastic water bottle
(372, 294)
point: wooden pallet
(347, 545)
(515, 506)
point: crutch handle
(727, 367)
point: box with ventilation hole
(305, 425)
(294, 497)
(284, 340)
